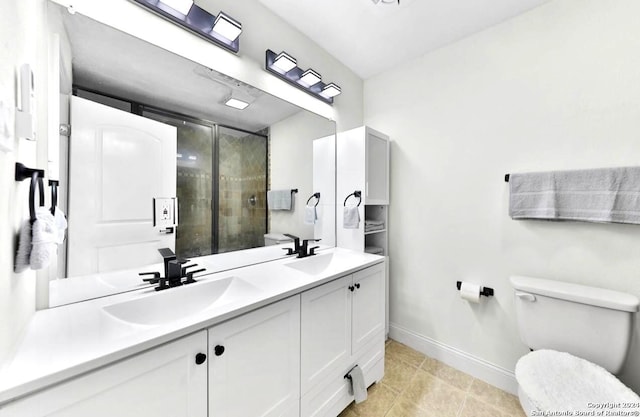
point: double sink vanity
(272, 339)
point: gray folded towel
(279, 200)
(593, 195)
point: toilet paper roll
(470, 292)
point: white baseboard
(476, 367)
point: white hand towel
(310, 215)
(44, 234)
(351, 218)
(60, 222)
(24, 248)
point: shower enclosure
(222, 180)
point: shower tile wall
(242, 190)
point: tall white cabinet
(363, 165)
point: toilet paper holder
(486, 291)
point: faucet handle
(154, 280)
(184, 268)
(191, 273)
(312, 250)
(289, 251)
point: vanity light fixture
(236, 104)
(227, 27)
(221, 30)
(331, 90)
(183, 6)
(285, 67)
(285, 62)
(310, 77)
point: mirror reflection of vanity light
(236, 104)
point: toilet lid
(559, 381)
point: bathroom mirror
(148, 126)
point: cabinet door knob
(358, 285)
(351, 288)
(200, 358)
(218, 350)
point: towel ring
(36, 181)
(357, 194)
(316, 196)
(36, 175)
(54, 195)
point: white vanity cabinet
(285, 359)
(254, 363)
(342, 325)
(163, 382)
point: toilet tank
(593, 323)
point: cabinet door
(163, 382)
(326, 331)
(377, 168)
(368, 306)
(254, 362)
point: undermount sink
(313, 265)
(181, 302)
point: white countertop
(63, 342)
(79, 288)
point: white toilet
(558, 320)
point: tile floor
(417, 386)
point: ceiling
(370, 38)
(120, 65)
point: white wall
(556, 88)
(19, 44)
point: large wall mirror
(148, 126)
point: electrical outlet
(164, 212)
